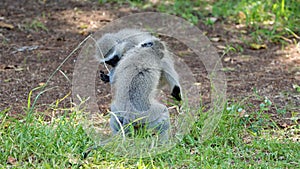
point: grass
(245, 137)
(276, 21)
(36, 25)
(268, 20)
(241, 140)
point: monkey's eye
(147, 44)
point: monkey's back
(135, 83)
(134, 35)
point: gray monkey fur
(114, 46)
(147, 62)
(137, 96)
(135, 82)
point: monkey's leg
(171, 76)
(161, 125)
(114, 125)
(111, 75)
(116, 120)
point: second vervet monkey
(135, 83)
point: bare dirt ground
(36, 36)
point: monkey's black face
(113, 61)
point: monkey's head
(115, 45)
(104, 45)
(157, 46)
(116, 53)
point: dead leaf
(83, 26)
(247, 139)
(243, 58)
(154, 1)
(227, 59)
(184, 52)
(241, 26)
(11, 160)
(284, 125)
(221, 47)
(7, 67)
(41, 84)
(7, 80)
(6, 25)
(193, 151)
(19, 69)
(213, 19)
(208, 8)
(242, 113)
(73, 161)
(26, 48)
(243, 31)
(258, 46)
(241, 15)
(83, 32)
(215, 39)
(228, 69)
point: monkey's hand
(176, 93)
(104, 77)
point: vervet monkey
(139, 62)
(114, 46)
(135, 82)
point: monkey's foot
(104, 77)
(176, 93)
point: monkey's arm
(107, 77)
(171, 76)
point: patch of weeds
(36, 26)
(269, 20)
(295, 117)
(208, 22)
(281, 111)
(189, 10)
(273, 21)
(296, 87)
(231, 145)
(258, 120)
(239, 48)
(229, 49)
(34, 143)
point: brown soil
(271, 71)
